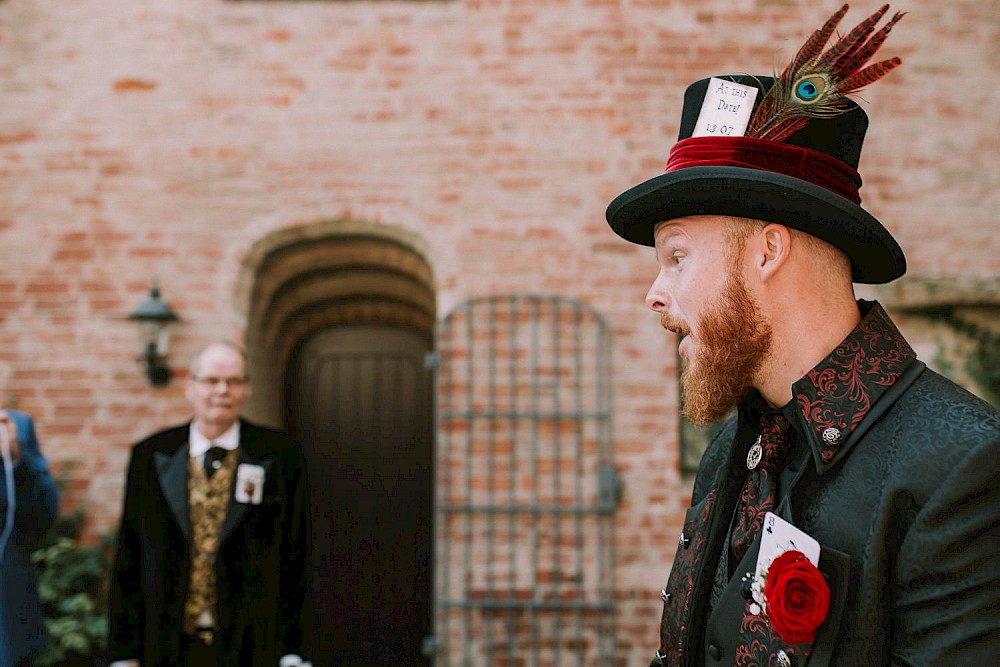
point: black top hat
(797, 164)
(808, 181)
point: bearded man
(847, 514)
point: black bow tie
(213, 460)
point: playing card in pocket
(780, 536)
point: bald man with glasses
(212, 566)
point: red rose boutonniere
(796, 596)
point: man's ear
(773, 245)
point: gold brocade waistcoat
(208, 500)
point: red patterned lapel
(837, 394)
(758, 642)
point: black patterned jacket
(904, 500)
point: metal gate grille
(525, 488)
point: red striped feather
(852, 40)
(868, 75)
(814, 45)
(864, 54)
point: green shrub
(72, 583)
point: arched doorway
(341, 317)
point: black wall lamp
(154, 317)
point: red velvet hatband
(751, 153)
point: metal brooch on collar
(754, 455)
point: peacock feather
(815, 84)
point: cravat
(213, 460)
(765, 460)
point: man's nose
(221, 387)
(657, 298)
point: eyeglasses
(214, 382)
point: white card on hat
(726, 110)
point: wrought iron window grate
(525, 487)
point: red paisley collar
(836, 395)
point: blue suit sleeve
(37, 496)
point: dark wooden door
(361, 405)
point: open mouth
(679, 329)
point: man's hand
(7, 424)
(125, 663)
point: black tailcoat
(263, 562)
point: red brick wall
(168, 137)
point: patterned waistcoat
(208, 500)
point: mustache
(671, 324)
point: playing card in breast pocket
(249, 484)
(780, 536)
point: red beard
(732, 343)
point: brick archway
(298, 281)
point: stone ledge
(927, 292)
